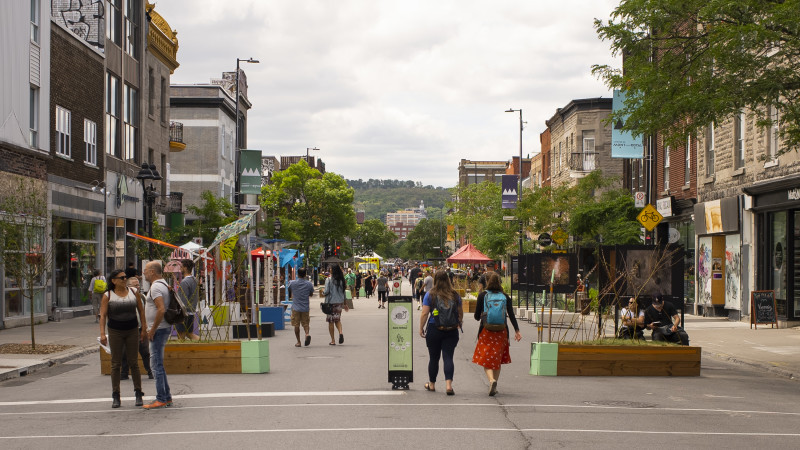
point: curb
(755, 365)
(57, 359)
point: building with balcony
(580, 141)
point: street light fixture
(519, 190)
(237, 177)
(149, 172)
(308, 160)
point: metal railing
(583, 161)
(176, 132)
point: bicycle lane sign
(649, 217)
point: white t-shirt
(628, 314)
(157, 289)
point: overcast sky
(396, 89)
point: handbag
(327, 308)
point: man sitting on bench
(665, 322)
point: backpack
(99, 286)
(175, 312)
(494, 311)
(445, 319)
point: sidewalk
(772, 350)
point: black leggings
(381, 296)
(440, 343)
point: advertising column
(401, 371)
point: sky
(396, 89)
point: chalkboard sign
(762, 308)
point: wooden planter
(210, 357)
(553, 359)
(468, 305)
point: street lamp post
(237, 175)
(308, 160)
(519, 190)
(149, 172)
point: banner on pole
(623, 143)
(510, 191)
(250, 171)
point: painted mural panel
(704, 262)
(733, 272)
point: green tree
(26, 252)
(478, 214)
(374, 236)
(688, 63)
(212, 214)
(421, 241)
(313, 208)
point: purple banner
(509, 196)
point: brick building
(476, 172)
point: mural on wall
(85, 18)
(704, 262)
(733, 266)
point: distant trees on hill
(388, 184)
(378, 197)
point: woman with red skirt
(492, 349)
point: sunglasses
(120, 278)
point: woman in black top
(120, 306)
(492, 349)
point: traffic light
(337, 250)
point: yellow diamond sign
(559, 236)
(649, 217)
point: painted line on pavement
(216, 395)
(403, 429)
(415, 405)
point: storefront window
(15, 283)
(76, 257)
(796, 274)
(778, 259)
(685, 237)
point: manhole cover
(620, 404)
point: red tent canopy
(468, 254)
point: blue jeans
(157, 364)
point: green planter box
(255, 356)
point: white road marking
(402, 429)
(217, 395)
(416, 405)
(719, 396)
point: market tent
(332, 260)
(468, 254)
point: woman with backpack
(334, 294)
(492, 309)
(97, 286)
(440, 331)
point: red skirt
(492, 349)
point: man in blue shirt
(301, 290)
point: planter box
(553, 359)
(208, 358)
(469, 305)
(240, 330)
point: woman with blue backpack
(492, 309)
(443, 304)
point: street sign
(559, 236)
(638, 199)
(545, 240)
(509, 217)
(649, 217)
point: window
(687, 165)
(666, 168)
(738, 136)
(63, 132)
(772, 138)
(34, 118)
(559, 155)
(113, 21)
(164, 100)
(113, 141)
(710, 149)
(222, 141)
(131, 118)
(231, 143)
(151, 93)
(35, 21)
(131, 28)
(90, 141)
(588, 141)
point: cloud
(391, 89)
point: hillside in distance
(378, 197)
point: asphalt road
(325, 396)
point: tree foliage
(212, 214)
(478, 215)
(420, 242)
(374, 236)
(313, 208)
(26, 250)
(378, 197)
(688, 63)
